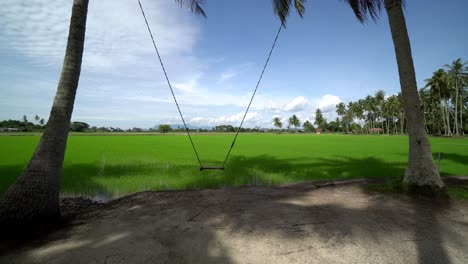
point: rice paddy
(112, 166)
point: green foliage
(308, 127)
(20, 125)
(163, 128)
(320, 121)
(334, 126)
(117, 165)
(277, 122)
(224, 128)
(294, 121)
(79, 126)
(444, 102)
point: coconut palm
(341, 111)
(457, 73)
(379, 100)
(294, 121)
(439, 88)
(358, 112)
(277, 122)
(421, 171)
(349, 114)
(308, 127)
(33, 200)
(320, 121)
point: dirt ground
(300, 223)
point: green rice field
(111, 166)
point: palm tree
(349, 117)
(358, 112)
(341, 111)
(379, 100)
(320, 121)
(294, 121)
(33, 200)
(395, 106)
(308, 127)
(439, 88)
(421, 172)
(277, 122)
(401, 117)
(458, 72)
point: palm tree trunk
(388, 126)
(455, 119)
(421, 172)
(447, 112)
(33, 200)
(462, 128)
(402, 123)
(442, 113)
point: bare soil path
(300, 223)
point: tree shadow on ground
(452, 157)
(297, 223)
(462, 159)
(111, 180)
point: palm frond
(194, 5)
(363, 8)
(300, 7)
(282, 8)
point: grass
(458, 192)
(111, 166)
(395, 186)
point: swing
(204, 167)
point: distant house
(318, 131)
(8, 129)
(377, 130)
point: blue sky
(214, 63)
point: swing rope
(253, 95)
(169, 83)
(177, 104)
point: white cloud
(328, 103)
(227, 75)
(38, 30)
(296, 104)
(224, 120)
(190, 87)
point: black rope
(169, 83)
(253, 95)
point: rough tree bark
(421, 172)
(33, 200)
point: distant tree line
(321, 124)
(23, 125)
(444, 102)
